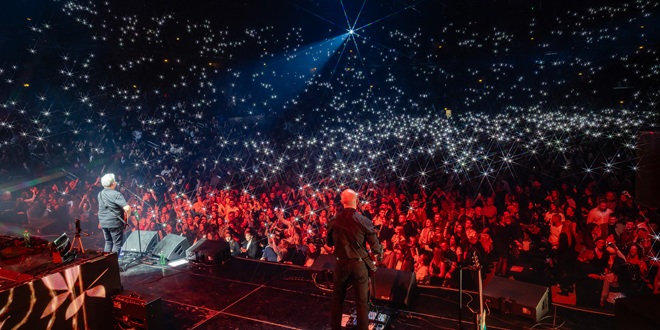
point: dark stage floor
(245, 294)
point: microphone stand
(460, 293)
(460, 298)
(141, 253)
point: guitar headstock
(475, 259)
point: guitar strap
(355, 244)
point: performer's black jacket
(348, 228)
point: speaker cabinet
(639, 312)
(190, 252)
(647, 182)
(46, 225)
(137, 311)
(14, 217)
(518, 298)
(394, 286)
(172, 247)
(147, 238)
(324, 263)
(209, 252)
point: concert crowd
(591, 237)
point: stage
(247, 294)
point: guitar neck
(481, 318)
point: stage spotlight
(63, 247)
(62, 243)
(351, 31)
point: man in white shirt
(600, 215)
(556, 226)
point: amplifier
(138, 311)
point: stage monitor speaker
(172, 247)
(190, 253)
(147, 238)
(136, 311)
(324, 263)
(647, 181)
(516, 297)
(45, 226)
(639, 312)
(14, 217)
(7, 203)
(394, 286)
(209, 251)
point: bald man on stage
(348, 233)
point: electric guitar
(481, 317)
(127, 216)
(370, 261)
